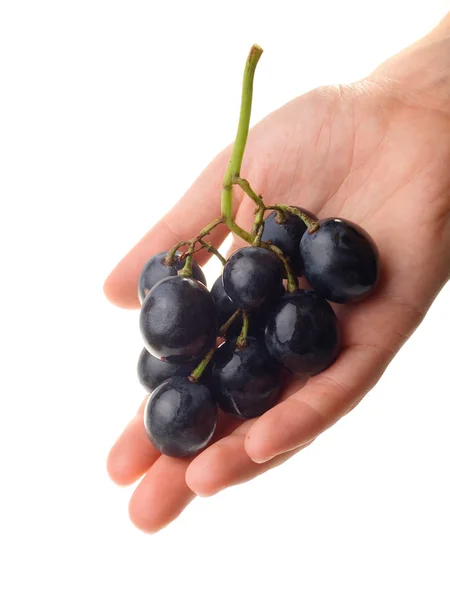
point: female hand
(376, 153)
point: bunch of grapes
(231, 348)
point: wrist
(420, 74)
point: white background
(108, 111)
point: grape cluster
(231, 348)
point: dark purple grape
(341, 261)
(245, 381)
(152, 371)
(302, 333)
(155, 270)
(226, 308)
(287, 236)
(180, 417)
(252, 276)
(178, 320)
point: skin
(376, 153)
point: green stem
(207, 230)
(241, 342)
(199, 370)
(292, 282)
(311, 224)
(259, 214)
(234, 228)
(186, 271)
(246, 187)
(280, 217)
(258, 224)
(214, 251)
(224, 329)
(234, 166)
(170, 256)
(258, 228)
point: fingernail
(204, 494)
(260, 461)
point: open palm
(355, 152)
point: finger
(161, 495)
(199, 206)
(306, 414)
(133, 453)
(372, 334)
(226, 463)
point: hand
(368, 153)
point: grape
(245, 381)
(180, 417)
(152, 371)
(155, 270)
(302, 333)
(252, 276)
(287, 236)
(178, 320)
(226, 308)
(341, 261)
